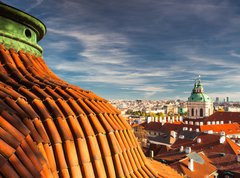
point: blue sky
(142, 49)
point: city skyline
(142, 49)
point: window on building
(201, 112)
(196, 112)
(192, 112)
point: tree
(160, 114)
(141, 135)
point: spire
(198, 88)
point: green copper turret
(20, 31)
(198, 94)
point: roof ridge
(232, 145)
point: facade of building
(199, 104)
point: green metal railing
(20, 31)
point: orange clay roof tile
(8, 170)
(29, 95)
(64, 107)
(26, 161)
(74, 94)
(19, 167)
(53, 108)
(15, 121)
(97, 126)
(75, 107)
(12, 93)
(60, 157)
(84, 107)
(88, 170)
(105, 123)
(75, 127)
(51, 128)
(8, 138)
(33, 130)
(41, 109)
(40, 93)
(16, 107)
(92, 106)
(27, 108)
(12, 130)
(83, 151)
(124, 165)
(104, 146)
(87, 128)
(110, 170)
(63, 129)
(34, 158)
(50, 157)
(62, 93)
(52, 131)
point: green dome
(198, 94)
(199, 97)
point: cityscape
(115, 89)
(194, 137)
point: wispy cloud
(141, 48)
(34, 5)
(100, 47)
(234, 54)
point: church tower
(199, 104)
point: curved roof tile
(50, 128)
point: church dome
(199, 97)
(198, 94)
(49, 128)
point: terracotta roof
(233, 128)
(177, 127)
(200, 170)
(51, 128)
(164, 170)
(224, 116)
(223, 156)
(167, 127)
(156, 126)
(209, 143)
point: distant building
(227, 99)
(232, 109)
(217, 100)
(216, 118)
(199, 104)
